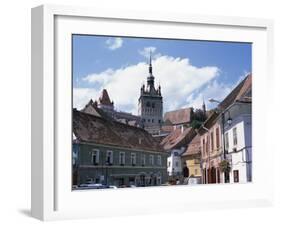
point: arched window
(147, 104)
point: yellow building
(192, 157)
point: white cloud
(81, 96)
(147, 50)
(212, 89)
(114, 43)
(179, 80)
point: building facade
(211, 150)
(150, 105)
(191, 158)
(238, 141)
(175, 167)
(113, 153)
(175, 144)
(226, 138)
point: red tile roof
(180, 116)
(193, 147)
(104, 98)
(94, 129)
(178, 138)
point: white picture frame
(52, 197)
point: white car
(92, 186)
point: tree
(195, 124)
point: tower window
(152, 120)
(148, 120)
(153, 105)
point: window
(234, 136)
(159, 160)
(147, 104)
(151, 160)
(226, 142)
(143, 159)
(212, 141)
(204, 148)
(217, 137)
(207, 144)
(122, 158)
(133, 159)
(159, 121)
(152, 120)
(109, 157)
(177, 164)
(95, 157)
(236, 176)
(153, 105)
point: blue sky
(187, 70)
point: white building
(175, 144)
(238, 141)
(174, 167)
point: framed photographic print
(135, 112)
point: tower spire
(204, 106)
(150, 64)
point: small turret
(204, 107)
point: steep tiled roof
(193, 147)
(167, 128)
(178, 138)
(242, 92)
(104, 98)
(180, 116)
(92, 108)
(93, 129)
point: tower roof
(150, 64)
(104, 98)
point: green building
(113, 153)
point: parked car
(112, 186)
(92, 186)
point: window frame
(236, 176)
(151, 160)
(110, 162)
(133, 158)
(159, 160)
(234, 136)
(122, 159)
(96, 152)
(226, 140)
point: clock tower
(150, 106)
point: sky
(188, 71)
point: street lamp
(214, 101)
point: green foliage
(224, 166)
(195, 124)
